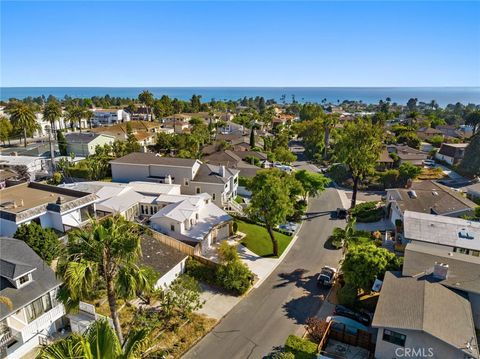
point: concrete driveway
(279, 307)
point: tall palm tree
(108, 252)
(74, 115)
(23, 118)
(88, 115)
(51, 113)
(329, 122)
(100, 342)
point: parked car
(340, 213)
(429, 163)
(289, 227)
(361, 317)
(327, 277)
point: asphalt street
(279, 307)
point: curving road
(265, 318)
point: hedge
(367, 212)
(301, 348)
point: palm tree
(108, 252)
(51, 113)
(6, 301)
(74, 115)
(329, 122)
(23, 117)
(88, 115)
(100, 342)
(342, 237)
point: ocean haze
(443, 95)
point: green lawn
(258, 240)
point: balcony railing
(43, 322)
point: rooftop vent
(440, 271)
(60, 200)
(463, 234)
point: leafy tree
(470, 165)
(107, 252)
(329, 122)
(310, 111)
(473, 119)
(6, 129)
(284, 155)
(146, 97)
(313, 136)
(271, 202)
(410, 139)
(132, 144)
(195, 103)
(358, 146)
(43, 241)
(252, 137)
(312, 183)
(408, 171)
(234, 276)
(62, 143)
(366, 262)
(23, 119)
(100, 341)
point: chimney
(222, 171)
(440, 271)
(59, 200)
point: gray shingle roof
(463, 269)
(12, 269)
(44, 279)
(138, 158)
(211, 173)
(159, 256)
(416, 304)
(430, 196)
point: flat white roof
(443, 230)
(19, 160)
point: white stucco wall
(171, 275)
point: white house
(109, 116)
(194, 177)
(49, 206)
(451, 153)
(32, 288)
(194, 219)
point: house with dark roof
(426, 133)
(451, 153)
(239, 160)
(83, 144)
(426, 197)
(32, 288)
(408, 154)
(194, 176)
(49, 206)
(423, 317)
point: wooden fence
(175, 243)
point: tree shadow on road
(299, 309)
(293, 277)
(311, 215)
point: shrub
(367, 212)
(347, 295)
(281, 354)
(235, 227)
(301, 348)
(200, 271)
(227, 252)
(234, 276)
(43, 241)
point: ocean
(443, 95)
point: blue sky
(154, 43)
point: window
(24, 279)
(38, 307)
(185, 181)
(475, 253)
(172, 227)
(141, 207)
(196, 216)
(197, 190)
(213, 196)
(394, 337)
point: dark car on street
(340, 213)
(361, 317)
(326, 277)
